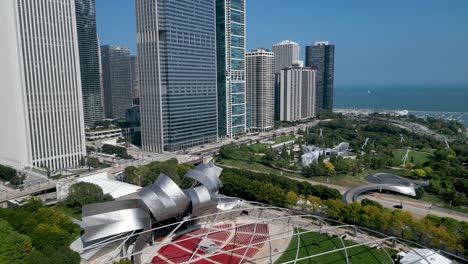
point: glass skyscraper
(177, 77)
(116, 81)
(89, 61)
(321, 57)
(230, 44)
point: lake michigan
(446, 101)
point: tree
(93, 162)
(365, 202)
(121, 152)
(291, 198)
(330, 168)
(420, 173)
(18, 179)
(85, 193)
(14, 247)
(6, 173)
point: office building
(321, 57)
(297, 93)
(230, 44)
(40, 98)
(260, 89)
(177, 73)
(134, 75)
(116, 81)
(286, 53)
(89, 61)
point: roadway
(417, 208)
(143, 158)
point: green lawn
(283, 139)
(315, 243)
(256, 166)
(418, 156)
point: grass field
(256, 166)
(315, 243)
(418, 156)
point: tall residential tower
(116, 81)
(230, 44)
(297, 93)
(260, 87)
(40, 98)
(321, 57)
(89, 61)
(286, 53)
(177, 63)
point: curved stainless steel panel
(164, 198)
(202, 199)
(111, 218)
(207, 175)
(353, 194)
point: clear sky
(377, 41)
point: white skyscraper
(40, 96)
(297, 93)
(260, 87)
(286, 52)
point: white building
(260, 86)
(286, 52)
(296, 93)
(40, 95)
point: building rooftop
(285, 42)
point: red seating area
(183, 247)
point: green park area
(414, 156)
(315, 243)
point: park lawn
(259, 147)
(315, 243)
(418, 156)
(256, 166)
(283, 139)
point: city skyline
(389, 41)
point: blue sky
(377, 41)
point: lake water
(445, 101)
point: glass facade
(321, 57)
(117, 81)
(178, 103)
(230, 37)
(89, 61)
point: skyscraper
(40, 99)
(134, 75)
(177, 63)
(230, 44)
(89, 61)
(260, 89)
(297, 93)
(286, 52)
(116, 81)
(321, 57)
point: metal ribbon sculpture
(154, 203)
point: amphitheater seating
(183, 247)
